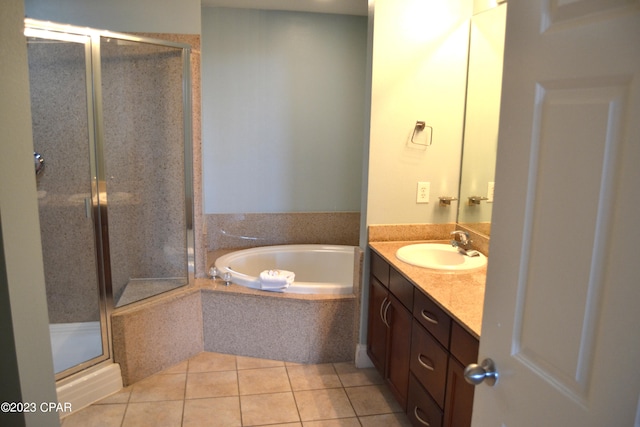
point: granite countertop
(461, 295)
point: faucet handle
(214, 274)
(464, 238)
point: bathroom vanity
(423, 329)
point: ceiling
(344, 7)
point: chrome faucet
(462, 243)
(214, 274)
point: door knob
(485, 371)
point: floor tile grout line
(288, 368)
(184, 394)
(126, 408)
(295, 400)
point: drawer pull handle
(423, 422)
(429, 317)
(384, 301)
(428, 364)
(386, 310)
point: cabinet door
(399, 354)
(378, 331)
(459, 400)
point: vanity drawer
(421, 409)
(429, 362)
(401, 288)
(380, 269)
(432, 317)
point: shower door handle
(38, 161)
(87, 207)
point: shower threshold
(138, 289)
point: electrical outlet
(422, 195)
(490, 188)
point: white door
(562, 308)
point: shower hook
(38, 161)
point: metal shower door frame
(91, 38)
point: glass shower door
(145, 161)
(63, 135)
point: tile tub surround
(245, 230)
(316, 328)
(151, 335)
(232, 391)
(461, 295)
(291, 327)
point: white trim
(90, 388)
(362, 359)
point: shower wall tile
(196, 105)
(235, 231)
(153, 335)
(69, 261)
(144, 160)
(59, 106)
(57, 80)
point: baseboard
(91, 387)
(362, 359)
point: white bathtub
(319, 269)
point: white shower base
(74, 343)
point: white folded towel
(276, 279)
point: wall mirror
(482, 113)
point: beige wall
(419, 73)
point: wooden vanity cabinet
(389, 333)
(419, 349)
(459, 398)
(377, 335)
(440, 350)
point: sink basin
(439, 256)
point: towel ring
(420, 127)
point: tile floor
(213, 389)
